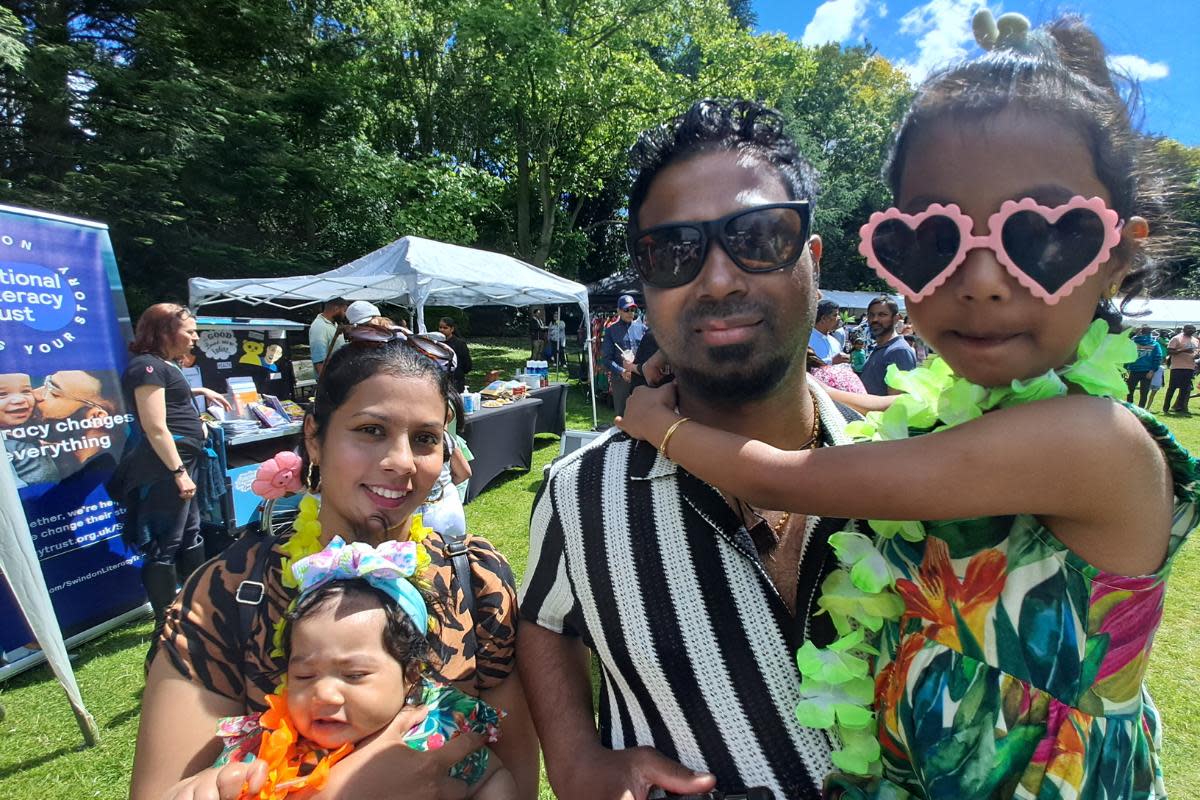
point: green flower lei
(837, 687)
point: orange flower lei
(286, 754)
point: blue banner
(63, 333)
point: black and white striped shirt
(655, 572)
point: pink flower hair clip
(278, 476)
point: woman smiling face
(379, 456)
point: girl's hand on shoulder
(649, 412)
(656, 368)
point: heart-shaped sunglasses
(1049, 250)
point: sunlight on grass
(40, 754)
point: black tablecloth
(500, 438)
(552, 418)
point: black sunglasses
(760, 239)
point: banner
(63, 332)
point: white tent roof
(409, 271)
(1163, 312)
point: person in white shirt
(822, 341)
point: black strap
(252, 591)
(456, 548)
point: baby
(356, 651)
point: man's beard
(733, 375)
(736, 387)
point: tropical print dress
(1017, 668)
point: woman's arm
(177, 735)
(151, 404)
(1076, 458)
(213, 397)
(862, 403)
(518, 746)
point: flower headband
(391, 568)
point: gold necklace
(811, 443)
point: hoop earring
(313, 486)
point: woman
(373, 449)
(462, 354)
(158, 480)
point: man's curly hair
(709, 126)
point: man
(822, 340)
(618, 352)
(1181, 355)
(889, 348)
(74, 402)
(323, 337)
(693, 602)
(1142, 369)
(462, 353)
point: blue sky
(1157, 41)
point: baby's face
(16, 399)
(342, 684)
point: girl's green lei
(837, 688)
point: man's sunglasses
(370, 335)
(54, 390)
(760, 239)
(1049, 250)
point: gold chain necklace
(811, 443)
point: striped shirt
(654, 571)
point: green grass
(40, 747)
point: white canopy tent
(410, 271)
(21, 568)
(1163, 312)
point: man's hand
(841, 358)
(603, 774)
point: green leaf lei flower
(836, 687)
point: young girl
(356, 651)
(1016, 623)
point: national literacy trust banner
(63, 329)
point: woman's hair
(157, 325)
(357, 362)
(716, 126)
(449, 322)
(401, 639)
(1067, 78)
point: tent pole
(591, 376)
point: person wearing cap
(323, 336)
(621, 340)
(1141, 370)
(361, 312)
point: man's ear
(815, 247)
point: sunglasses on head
(1050, 250)
(760, 239)
(372, 335)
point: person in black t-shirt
(164, 516)
(462, 354)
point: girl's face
(988, 327)
(379, 457)
(16, 399)
(343, 685)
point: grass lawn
(41, 757)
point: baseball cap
(626, 301)
(361, 311)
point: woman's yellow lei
(837, 687)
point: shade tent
(1163, 312)
(410, 271)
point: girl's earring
(313, 486)
(1112, 292)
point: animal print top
(203, 640)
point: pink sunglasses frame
(993, 242)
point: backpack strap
(252, 591)
(460, 558)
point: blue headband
(389, 568)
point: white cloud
(1139, 68)
(834, 21)
(943, 32)
(882, 11)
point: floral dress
(1017, 668)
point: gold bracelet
(671, 432)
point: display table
(500, 438)
(552, 418)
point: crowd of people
(993, 646)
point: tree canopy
(262, 137)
